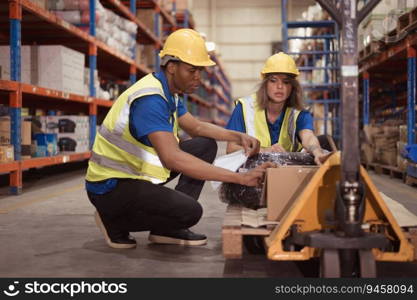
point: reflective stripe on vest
(257, 126)
(124, 113)
(135, 150)
(125, 168)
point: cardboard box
(6, 153)
(403, 133)
(40, 3)
(27, 65)
(367, 152)
(179, 4)
(5, 130)
(147, 16)
(389, 157)
(401, 163)
(26, 132)
(283, 186)
(60, 68)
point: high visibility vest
(116, 153)
(257, 126)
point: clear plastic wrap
(250, 196)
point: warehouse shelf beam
(312, 37)
(309, 24)
(54, 160)
(141, 27)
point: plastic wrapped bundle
(250, 196)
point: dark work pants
(139, 205)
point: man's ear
(171, 67)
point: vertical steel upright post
(132, 7)
(411, 94)
(15, 16)
(284, 29)
(92, 51)
(132, 74)
(157, 31)
(365, 98)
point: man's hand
(320, 156)
(255, 177)
(274, 148)
(250, 144)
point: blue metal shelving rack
(329, 87)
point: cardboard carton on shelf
(5, 130)
(282, 187)
(147, 16)
(6, 153)
(27, 66)
(60, 68)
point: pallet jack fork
(340, 215)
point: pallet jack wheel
(254, 244)
(329, 263)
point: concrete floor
(49, 231)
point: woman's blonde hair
(294, 100)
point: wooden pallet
(410, 180)
(393, 172)
(233, 231)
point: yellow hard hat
(188, 46)
(280, 63)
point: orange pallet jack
(340, 216)
(311, 229)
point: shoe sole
(106, 236)
(159, 239)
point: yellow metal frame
(308, 213)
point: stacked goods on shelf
(27, 68)
(55, 67)
(60, 68)
(6, 150)
(319, 122)
(40, 3)
(180, 5)
(64, 134)
(381, 143)
(115, 31)
(145, 54)
(401, 161)
(383, 24)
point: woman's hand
(274, 148)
